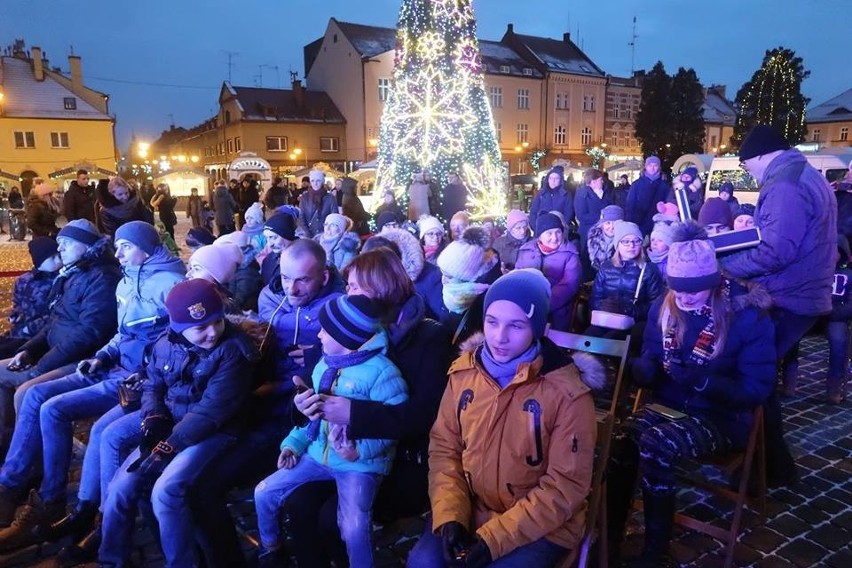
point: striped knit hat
(350, 320)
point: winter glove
(454, 539)
(686, 376)
(130, 393)
(154, 464)
(479, 555)
(155, 428)
(643, 371)
(611, 305)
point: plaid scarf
(336, 363)
(704, 345)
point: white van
(833, 163)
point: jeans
(837, 334)
(429, 553)
(111, 439)
(13, 385)
(45, 429)
(355, 493)
(168, 499)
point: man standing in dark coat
(455, 197)
(79, 202)
(553, 196)
(644, 195)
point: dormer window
(528, 71)
(505, 69)
(70, 103)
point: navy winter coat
(614, 287)
(547, 200)
(587, 208)
(642, 199)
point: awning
(7, 175)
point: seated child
(253, 227)
(744, 217)
(31, 296)
(354, 365)
(194, 390)
(658, 251)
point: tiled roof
(496, 55)
(369, 41)
(280, 105)
(559, 56)
(833, 110)
(310, 53)
(25, 97)
(717, 109)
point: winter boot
(9, 500)
(84, 551)
(272, 558)
(659, 522)
(22, 532)
(835, 390)
(78, 523)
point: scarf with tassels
(704, 345)
(335, 364)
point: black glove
(687, 376)
(479, 555)
(644, 372)
(155, 428)
(154, 464)
(611, 305)
(454, 540)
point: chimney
(38, 64)
(76, 72)
(566, 37)
(510, 29)
(298, 93)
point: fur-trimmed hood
(748, 293)
(592, 370)
(412, 255)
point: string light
(437, 116)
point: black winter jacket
(312, 213)
(202, 390)
(112, 213)
(614, 287)
(83, 315)
(41, 219)
(79, 202)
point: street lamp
(142, 149)
(298, 152)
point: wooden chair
(596, 512)
(749, 461)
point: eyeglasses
(630, 242)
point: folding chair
(596, 512)
(750, 460)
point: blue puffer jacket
(375, 379)
(142, 316)
(82, 311)
(738, 380)
(201, 390)
(293, 326)
(797, 217)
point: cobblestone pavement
(808, 524)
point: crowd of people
(358, 368)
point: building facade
(51, 124)
(623, 96)
(829, 123)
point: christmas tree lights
(437, 116)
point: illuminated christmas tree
(773, 96)
(437, 116)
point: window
(227, 117)
(816, 134)
(230, 145)
(58, 139)
(615, 113)
(70, 103)
(562, 101)
(586, 136)
(712, 140)
(24, 139)
(559, 135)
(238, 144)
(496, 97)
(626, 112)
(527, 71)
(384, 89)
(505, 69)
(220, 148)
(523, 98)
(588, 102)
(276, 143)
(498, 130)
(614, 140)
(523, 133)
(844, 134)
(329, 144)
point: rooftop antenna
(294, 76)
(230, 55)
(171, 121)
(71, 47)
(632, 45)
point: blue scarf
(503, 373)
(335, 364)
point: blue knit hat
(192, 303)
(528, 289)
(41, 248)
(80, 230)
(350, 320)
(546, 222)
(199, 236)
(283, 225)
(141, 234)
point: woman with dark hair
(353, 208)
(420, 347)
(164, 204)
(709, 356)
(589, 201)
(119, 204)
